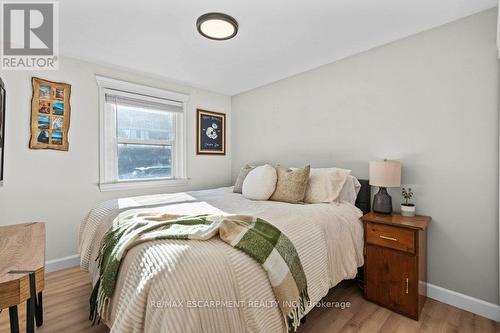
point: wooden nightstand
(396, 261)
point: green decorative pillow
(291, 185)
(238, 185)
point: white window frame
(179, 165)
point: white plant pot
(408, 210)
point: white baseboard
(62, 263)
(464, 302)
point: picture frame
(210, 132)
(2, 130)
(50, 115)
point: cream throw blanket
(259, 239)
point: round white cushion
(260, 183)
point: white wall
(430, 100)
(61, 187)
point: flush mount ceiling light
(217, 26)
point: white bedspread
(172, 285)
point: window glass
(142, 124)
(144, 161)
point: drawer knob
(389, 238)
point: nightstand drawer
(391, 237)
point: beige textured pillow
(291, 185)
(325, 184)
(238, 185)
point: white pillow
(325, 184)
(260, 183)
(350, 190)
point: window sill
(135, 185)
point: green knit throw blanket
(257, 238)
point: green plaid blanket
(259, 239)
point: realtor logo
(29, 35)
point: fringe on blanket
(93, 316)
(292, 320)
(99, 304)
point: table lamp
(384, 174)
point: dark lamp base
(382, 202)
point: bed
(209, 286)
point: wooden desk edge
(14, 288)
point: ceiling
(276, 38)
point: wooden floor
(67, 293)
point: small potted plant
(407, 208)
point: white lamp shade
(385, 173)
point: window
(142, 136)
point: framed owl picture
(210, 133)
